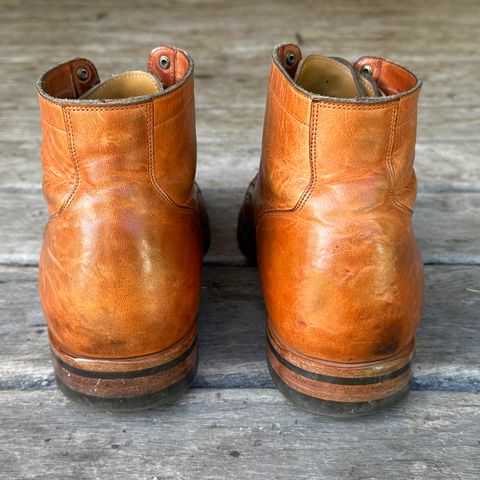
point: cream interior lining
(125, 85)
(327, 76)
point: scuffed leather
(59, 174)
(285, 164)
(175, 162)
(121, 261)
(340, 268)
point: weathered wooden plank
(446, 225)
(241, 87)
(246, 33)
(249, 431)
(246, 432)
(231, 78)
(232, 336)
(231, 434)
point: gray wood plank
(234, 424)
(243, 33)
(231, 78)
(231, 434)
(446, 226)
(232, 336)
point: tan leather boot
(122, 255)
(329, 218)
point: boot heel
(340, 390)
(127, 384)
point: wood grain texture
(446, 226)
(231, 44)
(232, 344)
(232, 434)
(234, 424)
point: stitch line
(174, 69)
(313, 161)
(108, 82)
(391, 170)
(313, 173)
(391, 140)
(46, 157)
(151, 166)
(285, 77)
(353, 106)
(102, 108)
(316, 105)
(73, 156)
(44, 122)
(381, 63)
(279, 103)
(124, 107)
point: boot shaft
(360, 148)
(108, 145)
(330, 210)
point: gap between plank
(232, 383)
(243, 263)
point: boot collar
(68, 81)
(394, 80)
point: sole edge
(342, 390)
(130, 390)
(336, 409)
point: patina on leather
(121, 260)
(329, 215)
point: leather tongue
(125, 85)
(334, 77)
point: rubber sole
(129, 384)
(339, 390)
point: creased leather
(175, 161)
(285, 164)
(59, 174)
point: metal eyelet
(83, 73)
(164, 62)
(367, 70)
(290, 59)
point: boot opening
(333, 77)
(125, 85)
(167, 68)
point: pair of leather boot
(328, 218)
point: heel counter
(109, 297)
(337, 296)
